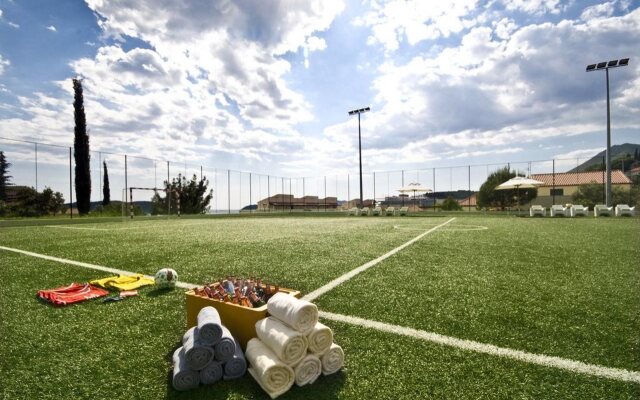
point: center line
(341, 279)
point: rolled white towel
(320, 339)
(197, 354)
(184, 378)
(237, 366)
(273, 376)
(212, 373)
(307, 370)
(226, 346)
(209, 325)
(298, 314)
(288, 344)
(332, 360)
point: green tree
(30, 203)
(106, 191)
(489, 197)
(593, 193)
(81, 151)
(450, 204)
(5, 179)
(194, 198)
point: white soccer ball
(166, 277)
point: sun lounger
(403, 211)
(578, 209)
(364, 211)
(537, 210)
(390, 210)
(376, 211)
(602, 210)
(558, 210)
(624, 209)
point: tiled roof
(580, 178)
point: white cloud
(1, 13)
(13, 25)
(603, 10)
(3, 64)
(535, 7)
(580, 154)
(52, 28)
(214, 79)
(89, 43)
(499, 88)
(395, 21)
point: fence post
(250, 209)
(434, 190)
(553, 180)
(403, 187)
(70, 187)
(168, 192)
(469, 198)
(229, 190)
(374, 188)
(36, 144)
(125, 181)
(130, 202)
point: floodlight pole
(596, 67)
(360, 111)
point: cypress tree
(106, 192)
(4, 178)
(81, 151)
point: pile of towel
(291, 347)
(208, 353)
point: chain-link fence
(41, 166)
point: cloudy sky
(265, 86)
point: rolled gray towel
(197, 354)
(212, 373)
(209, 325)
(237, 366)
(226, 346)
(184, 378)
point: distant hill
(617, 150)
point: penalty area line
(470, 345)
(341, 279)
(182, 285)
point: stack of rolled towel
(208, 353)
(292, 346)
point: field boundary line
(478, 347)
(450, 341)
(182, 285)
(341, 279)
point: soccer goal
(127, 206)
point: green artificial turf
(537, 285)
(566, 288)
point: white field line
(182, 285)
(341, 279)
(469, 345)
(84, 228)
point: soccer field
(462, 307)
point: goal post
(169, 193)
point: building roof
(580, 178)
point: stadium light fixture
(353, 112)
(605, 65)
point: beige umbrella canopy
(517, 183)
(414, 188)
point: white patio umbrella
(517, 183)
(414, 188)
